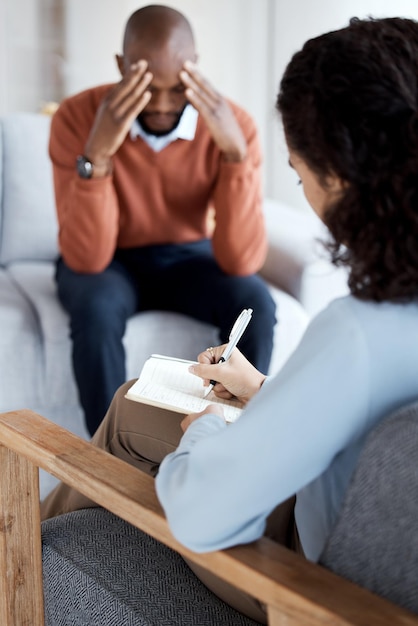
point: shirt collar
(185, 129)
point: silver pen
(234, 336)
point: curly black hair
(349, 106)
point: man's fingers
(195, 77)
(129, 95)
(201, 91)
(209, 100)
(203, 105)
(135, 108)
(218, 115)
(210, 103)
(129, 80)
(115, 116)
(133, 99)
(133, 103)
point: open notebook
(166, 382)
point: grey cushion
(99, 570)
(375, 541)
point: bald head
(154, 26)
(163, 38)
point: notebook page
(172, 373)
(166, 381)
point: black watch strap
(84, 167)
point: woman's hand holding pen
(235, 377)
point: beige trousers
(142, 435)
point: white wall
(30, 53)
(19, 54)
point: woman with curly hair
(348, 102)
(349, 105)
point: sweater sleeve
(221, 483)
(88, 211)
(239, 238)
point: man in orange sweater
(137, 167)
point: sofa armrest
(294, 590)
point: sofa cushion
(29, 224)
(36, 283)
(152, 331)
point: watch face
(84, 167)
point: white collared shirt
(185, 129)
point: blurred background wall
(53, 48)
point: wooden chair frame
(294, 590)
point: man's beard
(158, 133)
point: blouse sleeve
(221, 483)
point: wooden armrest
(294, 590)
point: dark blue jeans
(183, 278)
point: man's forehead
(161, 61)
(172, 48)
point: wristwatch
(84, 167)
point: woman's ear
(335, 184)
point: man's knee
(99, 313)
(264, 299)
(96, 297)
(254, 293)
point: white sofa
(297, 260)
(35, 349)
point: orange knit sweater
(155, 197)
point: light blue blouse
(302, 433)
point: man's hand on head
(216, 112)
(115, 115)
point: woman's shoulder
(343, 311)
(350, 320)
(350, 307)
